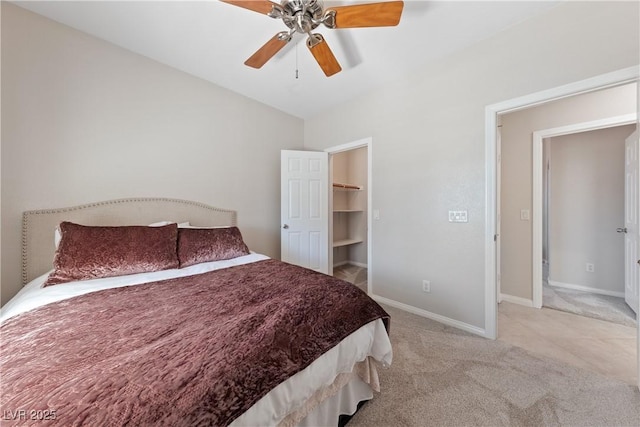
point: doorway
(538, 193)
(492, 113)
(350, 212)
(309, 208)
(587, 205)
(583, 239)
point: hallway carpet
(603, 307)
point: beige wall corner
(86, 121)
(428, 129)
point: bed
(219, 336)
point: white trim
(438, 318)
(490, 284)
(536, 208)
(585, 289)
(364, 142)
(536, 226)
(357, 264)
(615, 78)
(516, 300)
(340, 264)
(603, 81)
(368, 143)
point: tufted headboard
(38, 226)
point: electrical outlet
(426, 286)
(458, 216)
(590, 267)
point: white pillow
(57, 237)
(195, 226)
(161, 223)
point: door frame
(537, 193)
(361, 143)
(615, 78)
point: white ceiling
(211, 40)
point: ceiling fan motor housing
(302, 15)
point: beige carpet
(603, 307)
(352, 274)
(442, 376)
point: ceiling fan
(303, 16)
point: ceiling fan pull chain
(297, 61)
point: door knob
(285, 226)
(621, 230)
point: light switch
(524, 215)
(458, 216)
(376, 214)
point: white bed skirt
(345, 402)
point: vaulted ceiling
(211, 40)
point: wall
(428, 138)
(85, 121)
(517, 130)
(586, 206)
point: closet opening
(349, 219)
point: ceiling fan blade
(260, 6)
(270, 48)
(323, 55)
(385, 14)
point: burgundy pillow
(87, 252)
(196, 245)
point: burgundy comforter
(198, 350)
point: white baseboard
(515, 300)
(357, 264)
(438, 318)
(585, 289)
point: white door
(304, 232)
(631, 237)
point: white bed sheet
(33, 295)
(370, 340)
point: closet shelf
(347, 210)
(346, 187)
(346, 242)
